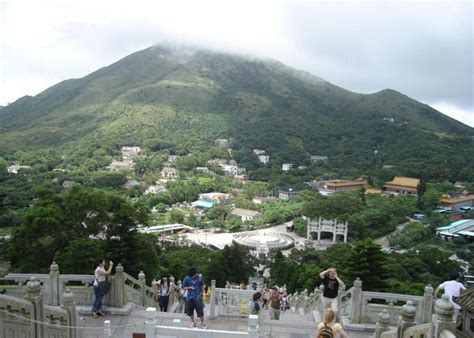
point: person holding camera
(100, 286)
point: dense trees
(406, 272)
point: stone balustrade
(125, 288)
(441, 325)
(229, 302)
(152, 330)
(29, 317)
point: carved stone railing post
(70, 307)
(34, 295)
(213, 299)
(407, 319)
(253, 326)
(173, 297)
(356, 302)
(382, 324)
(142, 280)
(444, 316)
(107, 329)
(53, 291)
(427, 305)
(150, 322)
(119, 283)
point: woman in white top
(328, 325)
(164, 288)
(100, 276)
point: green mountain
(182, 98)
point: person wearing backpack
(192, 285)
(329, 329)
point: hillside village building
(229, 170)
(221, 142)
(211, 199)
(402, 186)
(202, 169)
(130, 184)
(458, 202)
(169, 173)
(13, 169)
(462, 228)
(129, 153)
(286, 166)
(286, 194)
(264, 159)
(334, 186)
(120, 165)
(241, 177)
(246, 214)
(318, 158)
(265, 199)
(68, 184)
(155, 189)
(259, 151)
(173, 158)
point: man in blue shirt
(192, 285)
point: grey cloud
(368, 47)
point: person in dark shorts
(192, 285)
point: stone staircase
(290, 325)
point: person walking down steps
(193, 286)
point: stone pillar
(253, 326)
(407, 319)
(70, 307)
(142, 280)
(173, 297)
(119, 286)
(53, 289)
(150, 322)
(308, 233)
(213, 299)
(319, 230)
(427, 305)
(346, 230)
(34, 295)
(107, 329)
(382, 324)
(356, 302)
(443, 319)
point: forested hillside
(180, 99)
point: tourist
(331, 283)
(100, 277)
(452, 288)
(164, 288)
(192, 286)
(328, 328)
(255, 306)
(285, 305)
(274, 304)
(264, 298)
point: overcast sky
(423, 49)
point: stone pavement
(291, 325)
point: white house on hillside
(129, 153)
(169, 173)
(246, 215)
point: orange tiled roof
(454, 200)
(345, 183)
(404, 182)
